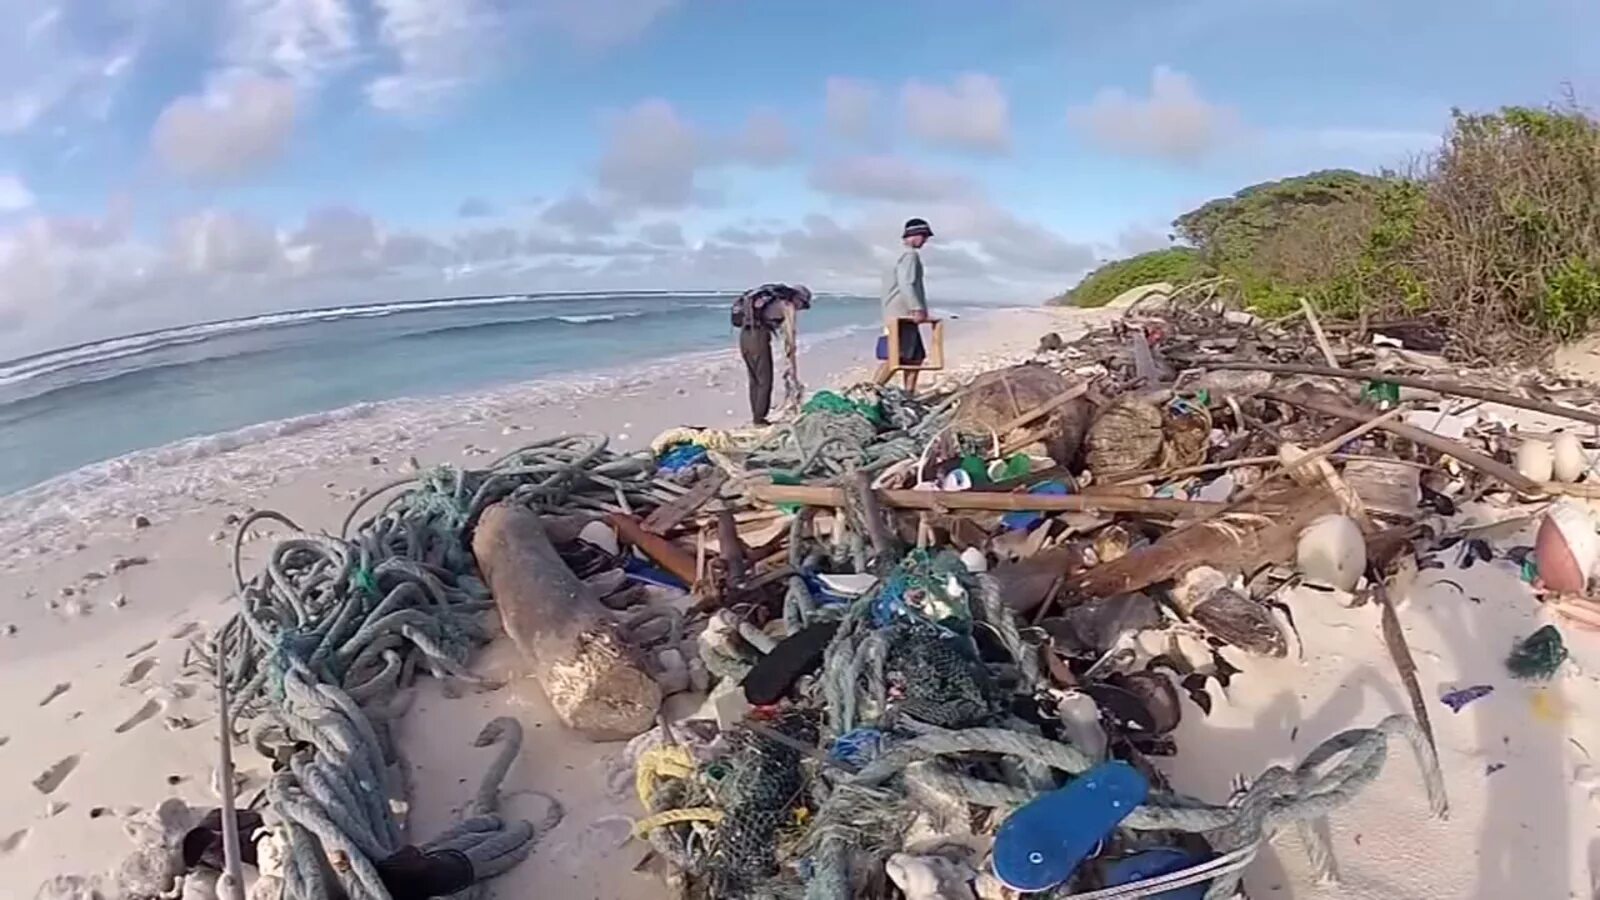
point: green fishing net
(1539, 655)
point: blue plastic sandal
(1040, 845)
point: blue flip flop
(1157, 861)
(1041, 844)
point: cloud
(336, 240)
(218, 243)
(652, 158)
(827, 247)
(237, 126)
(405, 248)
(1014, 242)
(662, 234)
(476, 208)
(889, 178)
(1173, 123)
(305, 41)
(580, 215)
(972, 114)
(439, 46)
(849, 107)
(66, 58)
(489, 245)
(764, 140)
(734, 234)
(14, 194)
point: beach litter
(941, 639)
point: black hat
(917, 226)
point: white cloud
(889, 178)
(971, 114)
(217, 243)
(488, 245)
(764, 140)
(850, 107)
(1173, 123)
(67, 58)
(239, 125)
(336, 240)
(14, 194)
(303, 40)
(580, 215)
(439, 47)
(1137, 239)
(652, 158)
(662, 234)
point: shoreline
(226, 468)
(100, 687)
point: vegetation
(1178, 265)
(1497, 238)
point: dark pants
(755, 344)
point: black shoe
(761, 423)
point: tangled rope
(334, 627)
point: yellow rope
(675, 816)
(659, 763)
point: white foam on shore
(235, 466)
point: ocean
(95, 403)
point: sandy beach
(99, 722)
(94, 648)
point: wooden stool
(932, 362)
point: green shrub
(1177, 265)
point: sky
(172, 161)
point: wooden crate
(934, 345)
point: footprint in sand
(4, 739)
(145, 713)
(12, 841)
(138, 672)
(55, 692)
(185, 630)
(53, 776)
(142, 648)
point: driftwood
(1027, 583)
(1330, 406)
(1230, 543)
(1504, 398)
(994, 501)
(667, 516)
(662, 552)
(590, 675)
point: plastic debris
(1458, 699)
(1540, 655)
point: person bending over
(757, 313)
(905, 299)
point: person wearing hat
(757, 313)
(903, 299)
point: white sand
(103, 668)
(1524, 831)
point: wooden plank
(669, 515)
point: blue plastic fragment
(1025, 519)
(638, 570)
(857, 747)
(1153, 862)
(1457, 699)
(681, 457)
(1041, 844)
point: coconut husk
(1126, 437)
(998, 398)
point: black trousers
(755, 345)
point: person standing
(905, 306)
(757, 313)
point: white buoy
(601, 535)
(1567, 547)
(1333, 552)
(974, 560)
(1567, 457)
(1536, 460)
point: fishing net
(763, 785)
(941, 681)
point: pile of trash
(931, 646)
(945, 637)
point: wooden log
(591, 676)
(1329, 406)
(667, 516)
(662, 552)
(1490, 395)
(1228, 544)
(994, 501)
